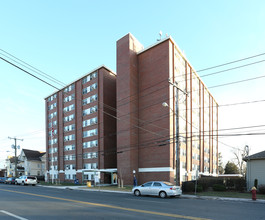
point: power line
(29, 73)
(224, 64)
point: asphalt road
(35, 202)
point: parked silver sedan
(157, 188)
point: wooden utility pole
(15, 147)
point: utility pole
(177, 150)
(15, 147)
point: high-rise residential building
(168, 120)
(155, 120)
(81, 129)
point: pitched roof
(33, 154)
(257, 156)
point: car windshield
(168, 184)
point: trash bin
(88, 184)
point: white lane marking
(15, 216)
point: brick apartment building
(154, 119)
(168, 119)
(81, 128)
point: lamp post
(176, 162)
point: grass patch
(246, 195)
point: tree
(231, 168)
(220, 163)
(239, 155)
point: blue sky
(67, 39)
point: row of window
(69, 167)
(52, 106)
(90, 121)
(52, 115)
(69, 157)
(69, 128)
(90, 155)
(69, 88)
(52, 132)
(69, 98)
(90, 99)
(52, 97)
(71, 137)
(90, 165)
(89, 77)
(69, 118)
(69, 108)
(90, 110)
(90, 88)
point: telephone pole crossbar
(15, 147)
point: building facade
(81, 129)
(255, 169)
(168, 120)
(155, 120)
(33, 162)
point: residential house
(255, 169)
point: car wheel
(137, 193)
(33, 185)
(162, 194)
(22, 183)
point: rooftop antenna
(160, 34)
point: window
(90, 110)
(90, 99)
(89, 77)
(52, 106)
(90, 144)
(69, 138)
(147, 184)
(90, 88)
(89, 122)
(90, 166)
(52, 115)
(69, 128)
(90, 133)
(69, 88)
(53, 150)
(90, 155)
(69, 157)
(69, 166)
(69, 98)
(69, 118)
(69, 147)
(51, 98)
(52, 133)
(157, 184)
(53, 141)
(69, 108)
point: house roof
(33, 154)
(257, 156)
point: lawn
(230, 194)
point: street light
(164, 104)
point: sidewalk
(84, 188)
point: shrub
(261, 189)
(188, 186)
(240, 184)
(219, 187)
(199, 188)
(256, 183)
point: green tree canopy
(231, 168)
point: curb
(182, 196)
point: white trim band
(155, 169)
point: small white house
(255, 169)
(33, 162)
